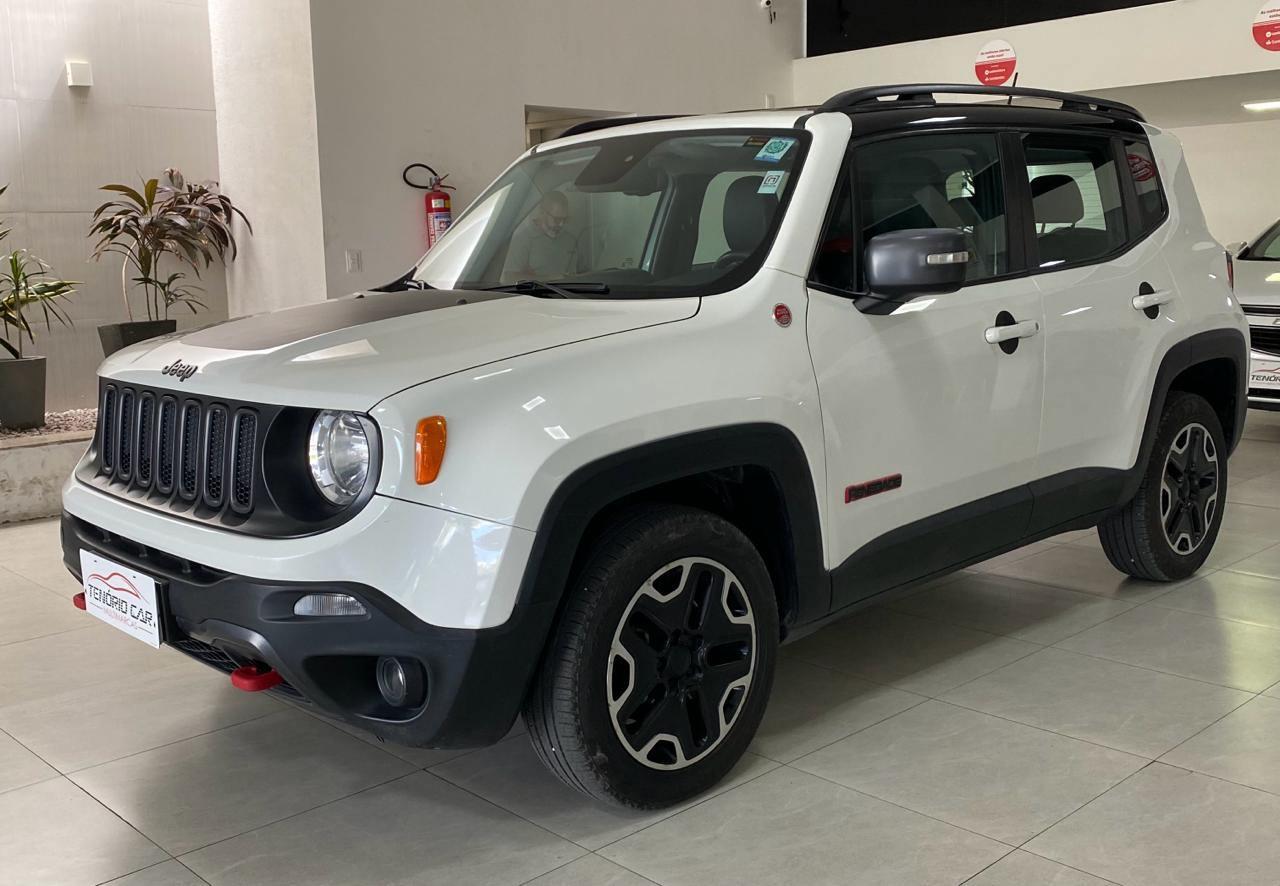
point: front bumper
(1264, 381)
(476, 679)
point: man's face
(553, 219)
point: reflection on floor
(1033, 720)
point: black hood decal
(259, 332)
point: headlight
(339, 454)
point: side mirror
(922, 261)
(1236, 248)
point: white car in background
(1257, 273)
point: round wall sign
(996, 64)
(1266, 27)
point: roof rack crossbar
(861, 99)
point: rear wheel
(1169, 529)
(662, 663)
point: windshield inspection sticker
(770, 183)
(775, 149)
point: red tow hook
(78, 601)
(255, 678)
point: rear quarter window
(1146, 185)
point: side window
(833, 262)
(950, 180)
(1075, 196)
(1146, 184)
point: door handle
(1147, 300)
(997, 334)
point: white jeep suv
(673, 392)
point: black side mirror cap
(902, 265)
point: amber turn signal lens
(428, 448)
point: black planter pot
(22, 393)
(115, 336)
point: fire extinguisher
(436, 202)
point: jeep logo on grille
(181, 371)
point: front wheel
(661, 666)
(1168, 530)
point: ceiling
(1200, 102)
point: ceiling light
(1259, 107)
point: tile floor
(1034, 720)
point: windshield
(653, 215)
(1267, 248)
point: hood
(1257, 282)
(352, 352)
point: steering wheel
(730, 259)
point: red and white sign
(996, 64)
(1266, 27)
(122, 597)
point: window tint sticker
(775, 149)
(770, 183)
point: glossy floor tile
(915, 654)
(195, 792)
(56, 834)
(1170, 827)
(417, 829)
(1243, 747)
(1001, 779)
(1035, 720)
(788, 827)
(1230, 653)
(1137, 710)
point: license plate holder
(123, 597)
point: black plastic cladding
(211, 461)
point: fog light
(400, 681)
(328, 604)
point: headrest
(747, 214)
(1056, 200)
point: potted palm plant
(26, 284)
(188, 222)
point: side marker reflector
(254, 678)
(78, 601)
(428, 448)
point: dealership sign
(996, 64)
(1266, 27)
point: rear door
(931, 431)
(1109, 301)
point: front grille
(1265, 339)
(151, 442)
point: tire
(1169, 528)
(624, 706)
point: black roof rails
(869, 98)
(610, 122)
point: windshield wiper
(561, 289)
(402, 283)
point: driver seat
(747, 216)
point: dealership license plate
(1265, 375)
(122, 597)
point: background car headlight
(339, 454)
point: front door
(932, 396)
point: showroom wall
(151, 106)
(267, 144)
(447, 84)
(1223, 159)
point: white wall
(385, 100)
(267, 145)
(151, 106)
(1167, 41)
(1233, 166)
